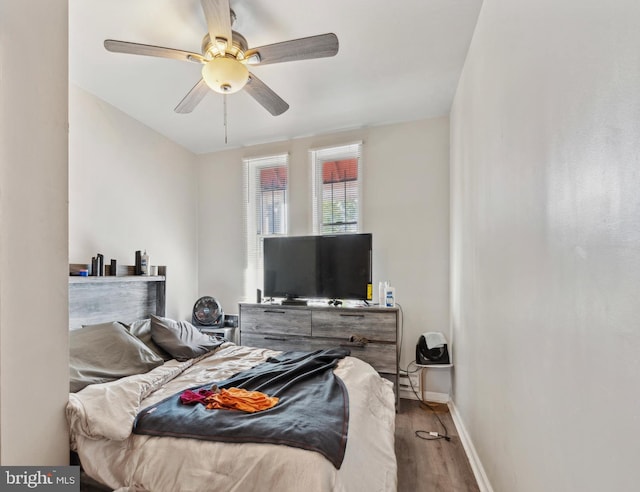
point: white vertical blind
(266, 199)
(337, 188)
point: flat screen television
(327, 267)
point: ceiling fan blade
(193, 97)
(150, 50)
(319, 46)
(218, 16)
(271, 101)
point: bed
(105, 409)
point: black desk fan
(207, 312)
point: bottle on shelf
(390, 296)
(144, 263)
(381, 293)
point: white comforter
(101, 418)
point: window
(337, 181)
(266, 209)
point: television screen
(291, 267)
(332, 267)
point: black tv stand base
(294, 302)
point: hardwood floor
(433, 466)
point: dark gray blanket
(313, 411)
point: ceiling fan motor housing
(220, 46)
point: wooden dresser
(370, 333)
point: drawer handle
(280, 339)
(352, 315)
(274, 311)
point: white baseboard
(436, 397)
(474, 459)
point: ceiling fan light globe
(225, 75)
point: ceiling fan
(226, 55)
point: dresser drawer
(272, 319)
(376, 326)
(382, 356)
(277, 342)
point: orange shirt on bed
(240, 399)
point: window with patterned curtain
(266, 186)
(337, 186)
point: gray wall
(546, 244)
(34, 360)
(131, 189)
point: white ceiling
(398, 61)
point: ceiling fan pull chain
(224, 99)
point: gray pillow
(141, 329)
(106, 352)
(180, 338)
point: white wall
(131, 189)
(34, 361)
(546, 244)
(405, 206)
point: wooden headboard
(123, 297)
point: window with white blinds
(337, 185)
(266, 190)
